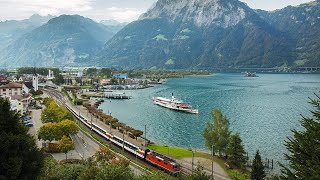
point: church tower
(35, 81)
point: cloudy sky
(120, 10)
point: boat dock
(115, 95)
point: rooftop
(11, 85)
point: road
(36, 114)
(84, 146)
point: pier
(113, 95)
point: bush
(36, 93)
(78, 102)
(72, 161)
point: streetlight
(212, 161)
(192, 160)
(136, 160)
(122, 141)
(91, 125)
(145, 135)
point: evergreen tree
(217, 134)
(19, 156)
(257, 172)
(235, 152)
(304, 148)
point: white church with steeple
(35, 80)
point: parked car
(29, 124)
(27, 118)
(27, 121)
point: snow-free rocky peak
(223, 13)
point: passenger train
(154, 158)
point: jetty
(116, 95)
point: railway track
(126, 155)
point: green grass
(300, 62)
(185, 30)
(83, 56)
(170, 62)
(85, 87)
(236, 174)
(176, 152)
(161, 37)
(183, 37)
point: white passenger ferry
(174, 104)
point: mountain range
(113, 25)
(176, 34)
(67, 39)
(216, 34)
(12, 29)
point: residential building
(18, 94)
(10, 89)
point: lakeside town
(35, 97)
(159, 90)
(19, 84)
(49, 99)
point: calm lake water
(262, 109)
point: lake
(262, 109)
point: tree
(50, 169)
(257, 172)
(68, 127)
(304, 148)
(19, 156)
(92, 71)
(137, 133)
(65, 144)
(114, 81)
(199, 174)
(106, 72)
(50, 132)
(235, 152)
(53, 112)
(104, 155)
(120, 170)
(217, 134)
(36, 93)
(90, 171)
(58, 79)
(55, 170)
(158, 175)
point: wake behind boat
(174, 104)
